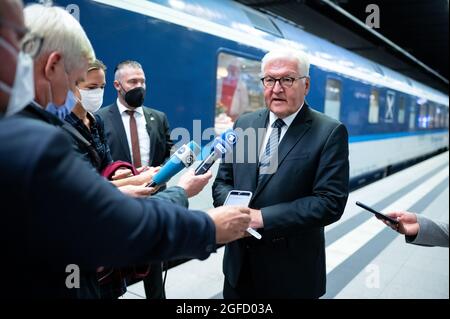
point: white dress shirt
(272, 118)
(144, 138)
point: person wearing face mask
(62, 219)
(17, 49)
(89, 141)
(139, 135)
(89, 98)
(135, 134)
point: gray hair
(61, 32)
(287, 54)
(121, 65)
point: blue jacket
(56, 212)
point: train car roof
(236, 22)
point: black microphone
(220, 146)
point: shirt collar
(287, 120)
(123, 108)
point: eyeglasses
(285, 81)
(31, 43)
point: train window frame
(247, 84)
(334, 111)
(373, 115)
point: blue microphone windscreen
(183, 157)
(172, 167)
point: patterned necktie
(269, 159)
(134, 140)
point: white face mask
(91, 100)
(22, 92)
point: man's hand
(231, 222)
(146, 175)
(121, 173)
(257, 220)
(137, 190)
(407, 225)
(193, 184)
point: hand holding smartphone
(378, 214)
(241, 198)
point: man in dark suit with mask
(135, 134)
(299, 182)
(138, 135)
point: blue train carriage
(202, 66)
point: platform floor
(365, 259)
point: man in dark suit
(61, 220)
(299, 182)
(153, 133)
(138, 135)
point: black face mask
(135, 97)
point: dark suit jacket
(157, 128)
(56, 211)
(308, 191)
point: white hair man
(63, 59)
(63, 220)
(299, 185)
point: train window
(438, 117)
(332, 105)
(446, 117)
(432, 115)
(412, 115)
(423, 116)
(263, 23)
(401, 110)
(238, 91)
(374, 107)
(441, 111)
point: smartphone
(238, 198)
(378, 214)
(241, 198)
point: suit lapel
(150, 125)
(294, 134)
(119, 131)
(251, 167)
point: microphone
(184, 157)
(221, 145)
